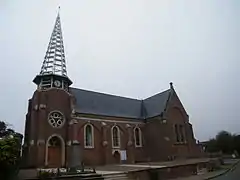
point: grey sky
(129, 48)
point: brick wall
(101, 154)
(159, 138)
(38, 128)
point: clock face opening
(57, 83)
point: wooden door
(54, 152)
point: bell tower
(49, 138)
(53, 71)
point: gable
(175, 104)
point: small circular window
(56, 119)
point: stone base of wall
(172, 172)
(165, 173)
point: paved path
(232, 175)
(117, 168)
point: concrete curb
(225, 172)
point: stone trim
(42, 106)
(69, 143)
(115, 150)
(73, 111)
(167, 138)
(75, 142)
(31, 142)
(63, 119)
(92, 135)
(128, 125)
(140, 136)
(52, 88)
(103, 124)
(35, 107)
(107, 120)
(104, 143)
(62, 148)
(119, 136)
(164, 121)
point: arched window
(54, 142)
(177, 133)
(88, 136)
(181, 130)
(115, 137)
(138, 137)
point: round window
(56, 119)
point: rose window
(56, 119)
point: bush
(9, 158)
(46, 174)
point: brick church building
(66, 126)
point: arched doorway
(117, 158)
(54, 155)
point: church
(66, 126)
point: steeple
(53, 71)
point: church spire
(54, 60)
(53, 72)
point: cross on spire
(54, 60)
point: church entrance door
(54, 152)
(117, 158)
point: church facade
(67, 126)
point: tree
(10, 146)
(211, 146)
(236, 143)
(224, 141)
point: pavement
(231, 171)
(123, 168)
(232, 174)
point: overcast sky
(131, 48)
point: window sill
(180, 143)
(88, 147)
(116, 147)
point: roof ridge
(143, 110)
(105, 94)
(157, 94)
(119, 95)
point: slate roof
(90, 102)
(156, 104)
